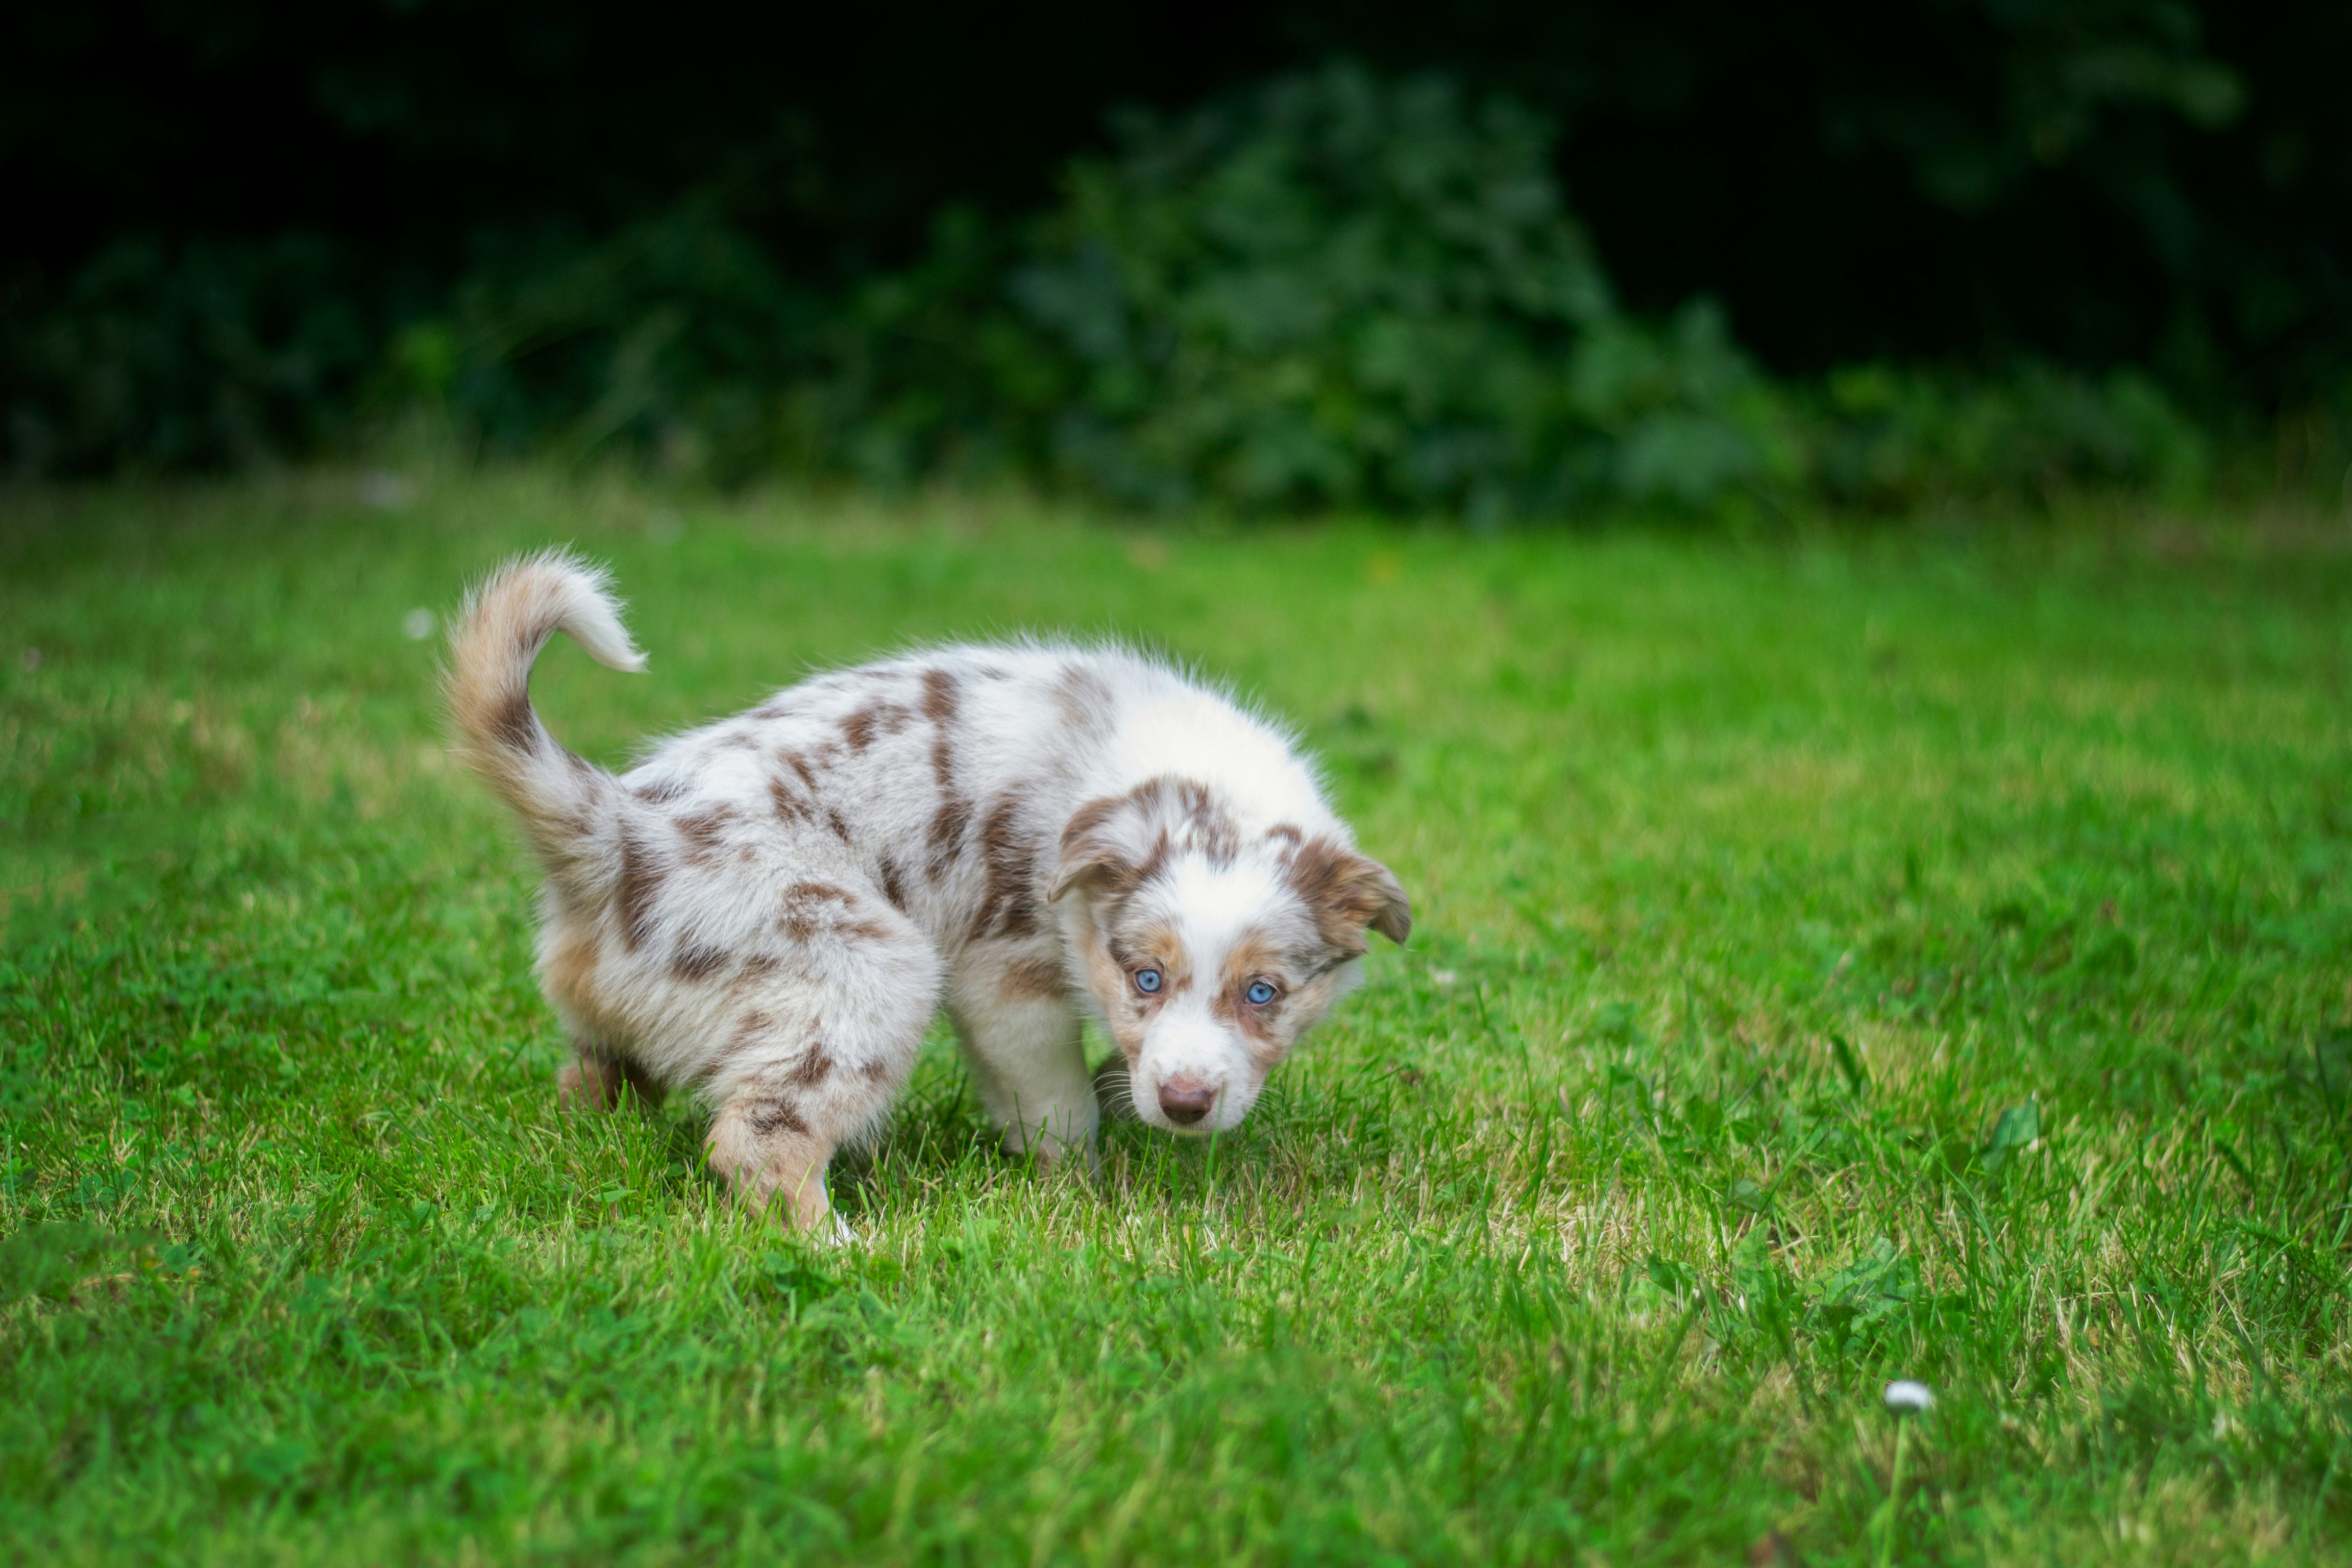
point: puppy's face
(1210, 950)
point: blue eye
(1260, 993)
(1146, 980)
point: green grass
(1836, 960)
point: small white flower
(418, 624)
(1443, 977)
(1904, 1397)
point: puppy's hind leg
(814, 1061)
(593, 1081)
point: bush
(1890, 438)
(1331, 289)
(1336, 291)
(678, 337)
(201, 356)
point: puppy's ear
(1349, 893)
(1094, 852)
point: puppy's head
(1210, 947)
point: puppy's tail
(506, 622)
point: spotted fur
(768, 910)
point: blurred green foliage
(1333, 289)
(193, 355)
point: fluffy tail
(505, 620)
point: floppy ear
(1092, 851)
(1350, 893)
(1394, 918)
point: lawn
(1876, 954)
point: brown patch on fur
(701, 829)
(1007, 907)
(1090, 856)
(1347, 892)
(513, 724)
(832, 820)
(1181, 815)
(894, 886)
(1287, 830)
(1090, 817)
(740, 739)
(876, 1070)
(1032, 980)
(947, 832)
(790, 808)
(695, 962)
(1207, 829)
(803, 907)
(640, 880)
(659, 792)
(799, 765)
(748, 1030)
(811, 1069)
(954, 816)
(1085, 701)
(754, 970)
(769, 1117)
(876, 717)
(1250, 958)
(940, 695)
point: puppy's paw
(582, 1085)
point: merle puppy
(770, 910)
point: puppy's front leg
(766, 1150)
(1021, 1034)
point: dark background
(2165, 185)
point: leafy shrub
(683, 341)
(198, 355)
(1889, 436)
(679, 337)
(1333, 289)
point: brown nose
(1186, 1100)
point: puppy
(770, 910)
